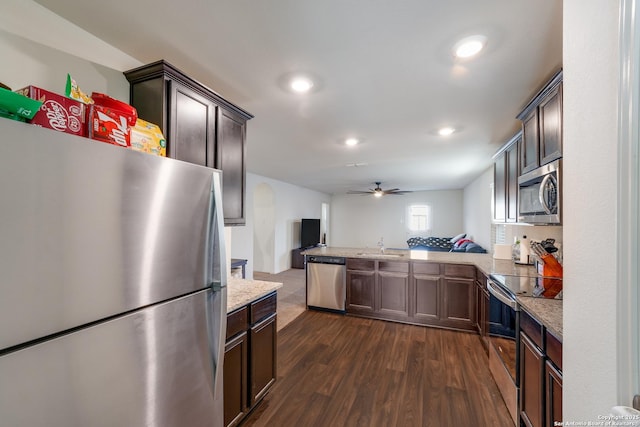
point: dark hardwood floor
(336, 370)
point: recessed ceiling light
(469, 46)
(351, 141)
(301, 84)
(446, 131)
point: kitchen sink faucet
(381, 245)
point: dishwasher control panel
(326, 260)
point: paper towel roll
(524, 250)
(501, 251)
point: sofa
(459, 243)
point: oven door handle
(502, 296)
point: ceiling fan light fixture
(469, 46)
(377, 193)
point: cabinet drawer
(237, 321)
(460, 270)
(554, 349)
(361, 264)
(263, 308)
(399, 267)
(532, 328)
(430, 268)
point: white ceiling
(385, 74)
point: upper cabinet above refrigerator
(542, 127)
(201, 127)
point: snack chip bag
(73, 91)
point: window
(419, 218)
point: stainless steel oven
(504, 327)
(540, 195)
(504, 342)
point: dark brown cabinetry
(499, 188)
(482, 309)
(393, 288)
(297, 259)
(412, 292)
(542, 127)
(201, 127)
(428, 292)
(458, 303)
(250, 357)
(361, 282)
(540, 375)
(378, 288)
(505, 181)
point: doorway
(264, 228)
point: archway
(264, 228)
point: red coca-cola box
(111, 120)
(57, 112)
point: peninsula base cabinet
(250, 357)
(423, 293)
(540, 375)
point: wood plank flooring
(336, 370)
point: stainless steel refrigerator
(112, 285)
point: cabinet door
(263, 358)
(428, 291)
(235, 380)
(191, 127)
(513, 170)
(485, 319)
(529, 155)
(551, 126)
(458, 302)
(394, 293)
(500, 188)
(553, 395)
(230, 159)
(360, 291)
(531, 383)
(479, 296)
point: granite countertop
(241, 292)
(548, 312)
(485, 262)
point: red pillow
(460, 242)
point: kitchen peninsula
(509, 305)
(407, 279)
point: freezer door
(154, 367)
(90, 230)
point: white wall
(38, 47)
(591, 56)
(360, 221)
(292, 203)
(477, 209)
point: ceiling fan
(379, 192)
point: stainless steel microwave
(540, 195)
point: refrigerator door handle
(216, 265)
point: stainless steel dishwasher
(326, 283)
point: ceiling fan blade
(358, 192)
(392, 190)
(399, 193)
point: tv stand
(297, 259)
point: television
(309, 232)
